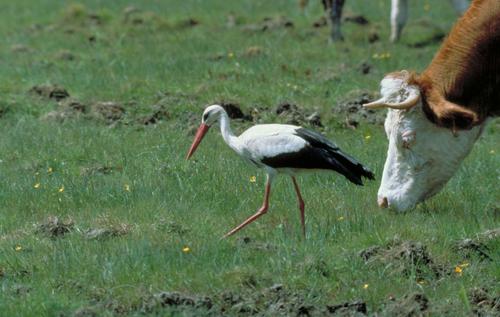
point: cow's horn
(377, 104)
(407, 104)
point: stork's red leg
(259, 213)
(301, 206)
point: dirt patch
(373, 36)
(415, 304)
(436, 38)
(292, 114)
(351, 108)
(276, 300)
(348, 309)
(48, 91)
(177, 299)
(21, 289)
(247, 242)
(234, 111)
(20, 48)
(159, 113)
(403, 257)
(65, 55)
(321, 22)
(68, 109)
(484, 302)
(53, 227)
(108, 111)
(365, 68)
(356, 18)
(253, 51)
(477, 246)
(78, 15)
(110, 231)
(269, 24)
(99, 169)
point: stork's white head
(211, 115)
(421, 156)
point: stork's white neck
(227, 134)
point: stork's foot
(251, 219)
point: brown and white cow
(435, 117)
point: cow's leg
(399, 16)
(460, 6)
(335, 11)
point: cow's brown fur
(461, 86)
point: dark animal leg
(301, 206)
(334, 9)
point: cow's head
(422, 155)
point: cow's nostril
(383, 203)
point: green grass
(172, 203)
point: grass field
(136, 222)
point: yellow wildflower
(50, 170)
(18, 248)
(340, 218)
(126, 187)
(458, 270)
(36, 186)
(186, 249)
(61, 189)
(368, 137)
(253, 179)
(365, 286)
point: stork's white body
(281, 148)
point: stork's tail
(350, 167)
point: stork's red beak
(197, 139)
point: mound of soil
(53, 227)
(404, 257)
(269, 24)
(253, 51)
(108, 111)
(321, 22)
(351, 108)
(234, 111)
(159, 113)
(410, 305)
(68, 109)
(65, 55)
(483, 302)
(479, 245)
(356, 18)
(99, 169)
(273, 301)
(291, 114)
(107, 232)
(20, 48)
(47, 91)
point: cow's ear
(451, 115)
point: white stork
(281, 148)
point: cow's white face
(421, 156)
